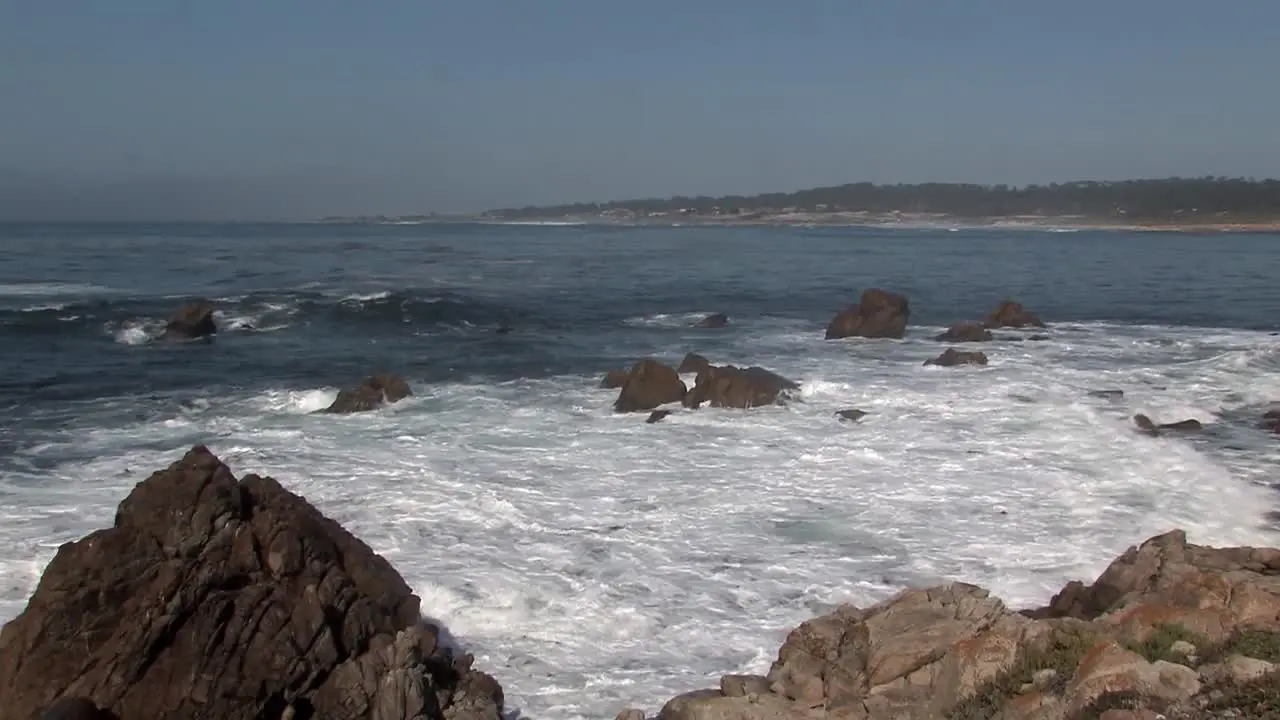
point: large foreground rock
(878, 314)
(213, 597)
(193, 321)
(954, 651)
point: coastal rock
(952, 357)
(193, 321)
(1150, 427)
(649, 384)
(954, 651)
(851, 415)
(716, 321)
(657, 416)
(731, 387)
(212, 596)
(693, 363)
(1107, 394)
(1012, 315)
(966, 332)
(878, 314)
(615, 379)
(373, 392)
(1271, 421)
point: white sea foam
(138, 331)
(593, 562)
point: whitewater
(594, 562)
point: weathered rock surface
(1012, 315)
(649, 384)
(954, 651)
(878, 314)
(966, 332)
(192, 321)
(952, 357)
(372, 393)
(693, 363)
(727, 386)
(614, 379)
(217, 597)
(715, 321)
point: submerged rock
(851, 415)
(1150, 427)
(716, 321)
(193, 321)
(218, 597)
(878, 314)
(372, 393)
(952, 357)
(657, 416)
(966, 332)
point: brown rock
(730, 387)
(192, 321)
(851, 415)
(615, 379)
(373, 392)
(1109, 668)
(716, 321)
(1271, 421)
(693, 363)
(657, 416)
(879, 314)
(966, 332)
(1012, 315)
(217, 597)
(649, 384)
(952, 357)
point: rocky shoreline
(213, 596)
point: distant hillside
(1155, 199)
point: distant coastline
(1210, 204)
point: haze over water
(592, 561)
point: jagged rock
(373, 392)
(731, 387)
(878, 314)
(952, 357)
(649, 384)
(693, 363)
(192, 321)
(1109, 668)
(716, 321)
(1238, 669)
(217, 597)
(966, 332)
(1012, 315)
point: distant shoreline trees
(1153, 199)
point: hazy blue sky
(292, 107)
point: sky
(292, 109)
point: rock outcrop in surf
(713, 322)
(649, 384)
(877, 314)
(1012, 314)
(372, 393)
(726, 386)
(1169, 627)
(952, 357)
(193, 321)
(966, 332)
(213, 596)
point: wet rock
(693, 363)
(1038, 338)
(372, 393)
(851, 415)
(1271, 421)
(74, 708)
(1150, 427)
(878, 314)
(1146, 424)
(731, 387)
(1012, 315)
(952, 357)
(614, 379)
(218, 597)
(657, 416)
(193, 321)
(1191, 425)
(966, 332)
(1107, 394)
(649, 384)
(716, 321)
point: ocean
(592, 561)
